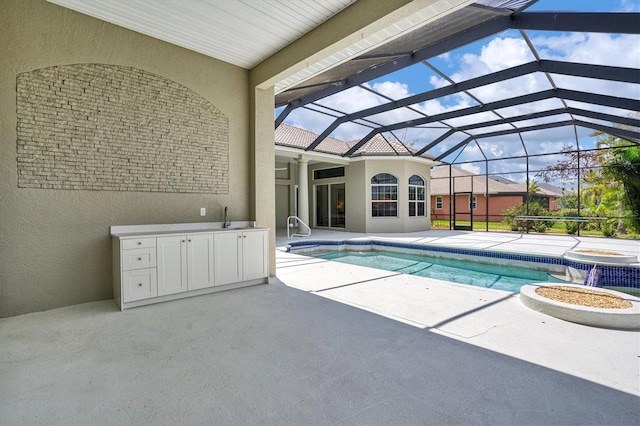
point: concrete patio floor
(395, 350)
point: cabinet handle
(139, 284)
(183, 241)
(189, 240)
(139, 243)
(244, 236)
(139, 258)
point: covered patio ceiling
(570, 98)
(241, 32)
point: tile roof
(378, 145)
(295, 137)
(466, 181)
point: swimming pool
(463, 272)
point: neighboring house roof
(549, 189)
(466, 181)
(295, 137)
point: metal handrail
(291, 225)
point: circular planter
(600, 258)
(627, 319)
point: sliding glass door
(330, 205)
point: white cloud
(472, 167)
(394, 90)
(629, 6)
(600, 49)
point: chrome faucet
(227, 223)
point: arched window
(384, 195)
(417, 196)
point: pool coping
(619, 275)
(623, 319)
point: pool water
(462, 272)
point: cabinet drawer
(135, 243)
(139, 284)
(138, 258)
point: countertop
(136, 231)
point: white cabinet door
(200, 259)
(240, 256)
(172, 264)
(255, 255)
(228, 257)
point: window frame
(439, 201)
(329, 172)
(381, 190)
(417, 202)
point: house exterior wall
(497, 205)
(357, 182)
(285, 192)
(259, 164)
(357, 197)
(55, 248)
(402, 170)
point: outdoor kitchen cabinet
(185, 262)
(240, 256)
(158, 265)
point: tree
(608, 178)
(594, 186)
(566, 170)
(623, 165)
(532, 189)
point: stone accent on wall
(114, 128)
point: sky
(497, 52)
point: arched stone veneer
(116, 128)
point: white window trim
(416, 202)
(441, 199)
(371, 200)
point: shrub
(535, 209)
(608, 228)
(539, 227)
(571, 226)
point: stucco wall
(55, 243)
(402, 170)
(357, 182)
(357, 196)
(285, 174)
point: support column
(303, 190)
(264, 159)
